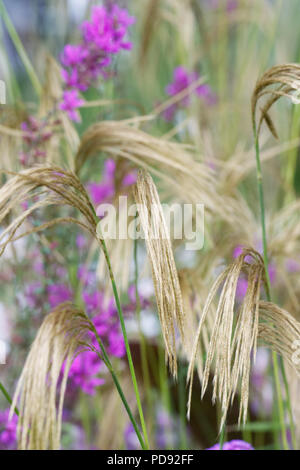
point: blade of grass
(182, 406)
(20, 49)
(144, 360)
(8, 397)
(257, 426)
(13, 88)
(222, 436)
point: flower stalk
(259, 179)
(124, 332)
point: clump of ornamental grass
(236, 331)
(164, 272)
(228, 337)
(180, 177)
(53, 185)
(282, 80)
(62, 335)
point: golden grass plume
(42, 187)
(234, 337)
(231, 341)
(164, 272)
(62, 335)
(278, 81)
(280, 331)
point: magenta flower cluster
(58, 293)
(182, 79)
(36, 134)
(8, 431)
(102, 38)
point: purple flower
(233, 445)
(74, 80)
(182, 79)
(104, 191)
(70, 103)
(8, 431)
(58, 293)
(107, 29)
(102, 37)
(101, 192)
(129, 179)
(73, 55)
(116, 344)
(84, 370)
